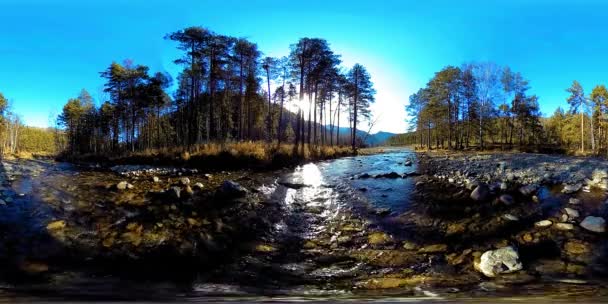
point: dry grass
(231, 155)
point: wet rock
(362, 189)
(56, 225)
(507, 199)
(456, 228)
(574, 201)
(543, 224)
(155, 179)
(510, 217)
(504, 186)
(594, 224)
(198, 186)
(364, 176)
(435, 248)
(528, 238)
(572, 188)
(500, 261)
(407, 163)
(458, 259)
(564, 226)
(389, 175)
(480, 193)
(379, 238)
(382, 211)
(599, 179)
(231, 189)
(188, 191)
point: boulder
(231, 189)
(507, 199)
(500, 261)
(599, 179)
(480, 193)
(594, 224)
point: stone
(527, 238)
(123, 186)
(364, 176)
(409, 246)
(594, 224)
(572, 213)
(156, 179)
(543, 224)
(572, 188)
(407, 163)
(480, 193)
(504, 186)
(56, 225)
(184, 181)
(379, 238)
(564, 226)
(507, 199)
(231, 189)
(198, 186)
(510, 217)
(578, 251)
(574, 201)
(435, 248)
(500, 261)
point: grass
(223, 156)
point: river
(354, 228)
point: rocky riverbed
(396, 224)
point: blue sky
(49, 50)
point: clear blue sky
(49, 50)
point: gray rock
(504, 186)
(480, 193)
(231, 189)
(594, 224)
(574, 201)
(572, 188)
(572, 213)
(500, 261)
(507, 199)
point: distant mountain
(374, 139)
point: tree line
(484, 105)
(226, 91)
(475, 104)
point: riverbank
(533, 215)
(227, 156)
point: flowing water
(335, 230)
